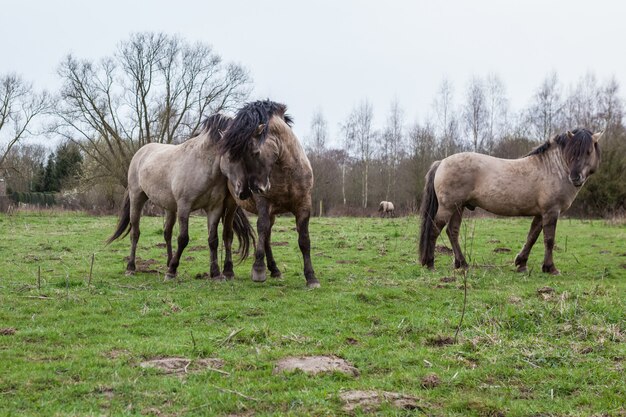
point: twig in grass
(575, 258)
(230, 336)
(458, 327)
(39, 278)
(193, 340)
(38, 297)
(230, 391)
(93, 255)
(530, 363)
(67, 285)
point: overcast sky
(331, 54)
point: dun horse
(180, 179)
(260, 151)
(542, 184)
(386, 209)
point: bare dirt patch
(144, 265)
(344, 261)
(9, 331)
(502, 250)
(280, 243)
(514, 300)
(181, 366)
(116, 353)
(431, 381)
(443, 249)
(196, 248)
(546, 293)
(315, 365)
(440, 340)
(448, 279)
(160, 245)
(493, 241)
(369, 401)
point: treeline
(158, 88)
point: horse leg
(170, 220)
(183, 240)
(227, 237)
(533, 234)
(213, 220)
(438, 225)
(136, 205)
(263, 226)
(271, 263)
(302, 224)
(454, 226)
(549, 233)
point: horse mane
(573, 147)
(215, 125)
(237, 137)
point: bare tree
(360, 136)
(156, 88)
(19, 107)
(447, 123)
(475, 116)
(319, 133)
(497, 111)
(392, 145)
(545, 109)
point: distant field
(529, 345)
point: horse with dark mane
(180, 179)
(261, 152)
(542, 184)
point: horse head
(236, 173)
(253, 141)
(582, 154)
(259, 160)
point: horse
(541, 184)
(261, 152)
(386, 209)
(182, 178)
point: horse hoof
(550, 269)
(258, 276)
(169, 276)
(522, 269)
(313, 284)
(228, 277)
(129, 273)
(460, 265)
(276, 274)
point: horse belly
(505, 202)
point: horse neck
(201, 143)
(553, 163)
(289, 150)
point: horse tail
(245, 233)
(428, 211)
(123, 224)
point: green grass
(77, 348)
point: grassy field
(529, 344)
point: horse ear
(259, 130)
(597, 136)
(570, 134)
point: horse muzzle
(577, 181)
(260, 189)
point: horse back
(173, 174)
(508, 187)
